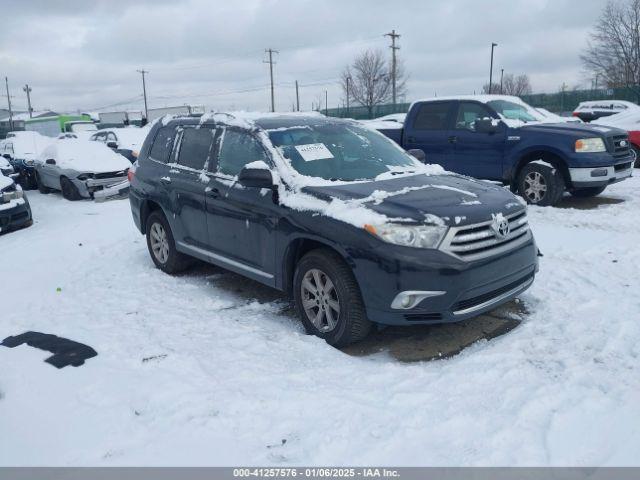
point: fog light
(405, 301)
(600, 172)
(411, 298)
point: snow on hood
(84, 156)
(629, 120)
(5, 182)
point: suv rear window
(432, 116)
(162, 144)
(195, 147)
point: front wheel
(635, 152)
(587, 192)
(328, 299)
(69, 190)
(161, 245)
(540, 184)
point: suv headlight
(590, 145)
(417, 236)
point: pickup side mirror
(256, 177)
(485, 125)
(7, 156)
(112, 144)
(50, 161)
(418, 153)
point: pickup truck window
(350, 152)
(432, 116)
(512, 111)
(468, 113)
(238, 149)
(195, 147)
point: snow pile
(84, 156)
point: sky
(83, 55)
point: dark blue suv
(356, 230)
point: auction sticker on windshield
(314, 151)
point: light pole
(493, 45)
(501, 77)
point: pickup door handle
(165, 180)
(212, 192)
(453, 139)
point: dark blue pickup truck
(497, 137)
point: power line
(271, 62)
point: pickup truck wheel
(161, 245)
(588, 192)
(69, 190)
(328, 299)
(540, 184)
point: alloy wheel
(535, 187)
(159, 243)
(320, 300)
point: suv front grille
(477, 241)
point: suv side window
(162, 144)
(195, 147)
(432, 116)
(238, 148)
(468, 113)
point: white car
(126, 141)
(592, 110)
(22, 149)
(557, 118)
(81, 169)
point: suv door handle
(165, 180)
(212, 192)
(453, 139)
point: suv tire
(332, 310)
(588, 192)
(69, 190)
(161, 245)
(540, 184)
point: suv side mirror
(256, 177)
(418, 153)
(485, 125)
(50, 161)
(112, 144)
(7, 156)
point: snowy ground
(233, 380)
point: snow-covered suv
(356, 230)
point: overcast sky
(84, 54)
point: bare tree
(511, 85)
(368, 81)
(613, 49)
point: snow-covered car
(5, 167)
(15, 211)
(394, 120)
(22, 149)
(592, 110)
(557, 118)
(125, 141)
(629, 121)
(81, 169)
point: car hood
(578, 130)
(454, 199)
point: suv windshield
(513, 111)
(340, 152)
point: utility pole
(501, 77)
(348, 81)
(28, 89)
(394, 64)
(493, 45)
(326, 103)
(144, 93)
(297, 97)
(6, 82)
(270, 51)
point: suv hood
(456, 200)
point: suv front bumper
(15, 214)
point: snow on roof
(5, 181)
(607, 104)
(478, 98)
(128, 137)
(84, 156)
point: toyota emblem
(500, 226)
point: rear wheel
(69, 190)
(540, 184)
(328, 299)
(161, 245)
(588, 192)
